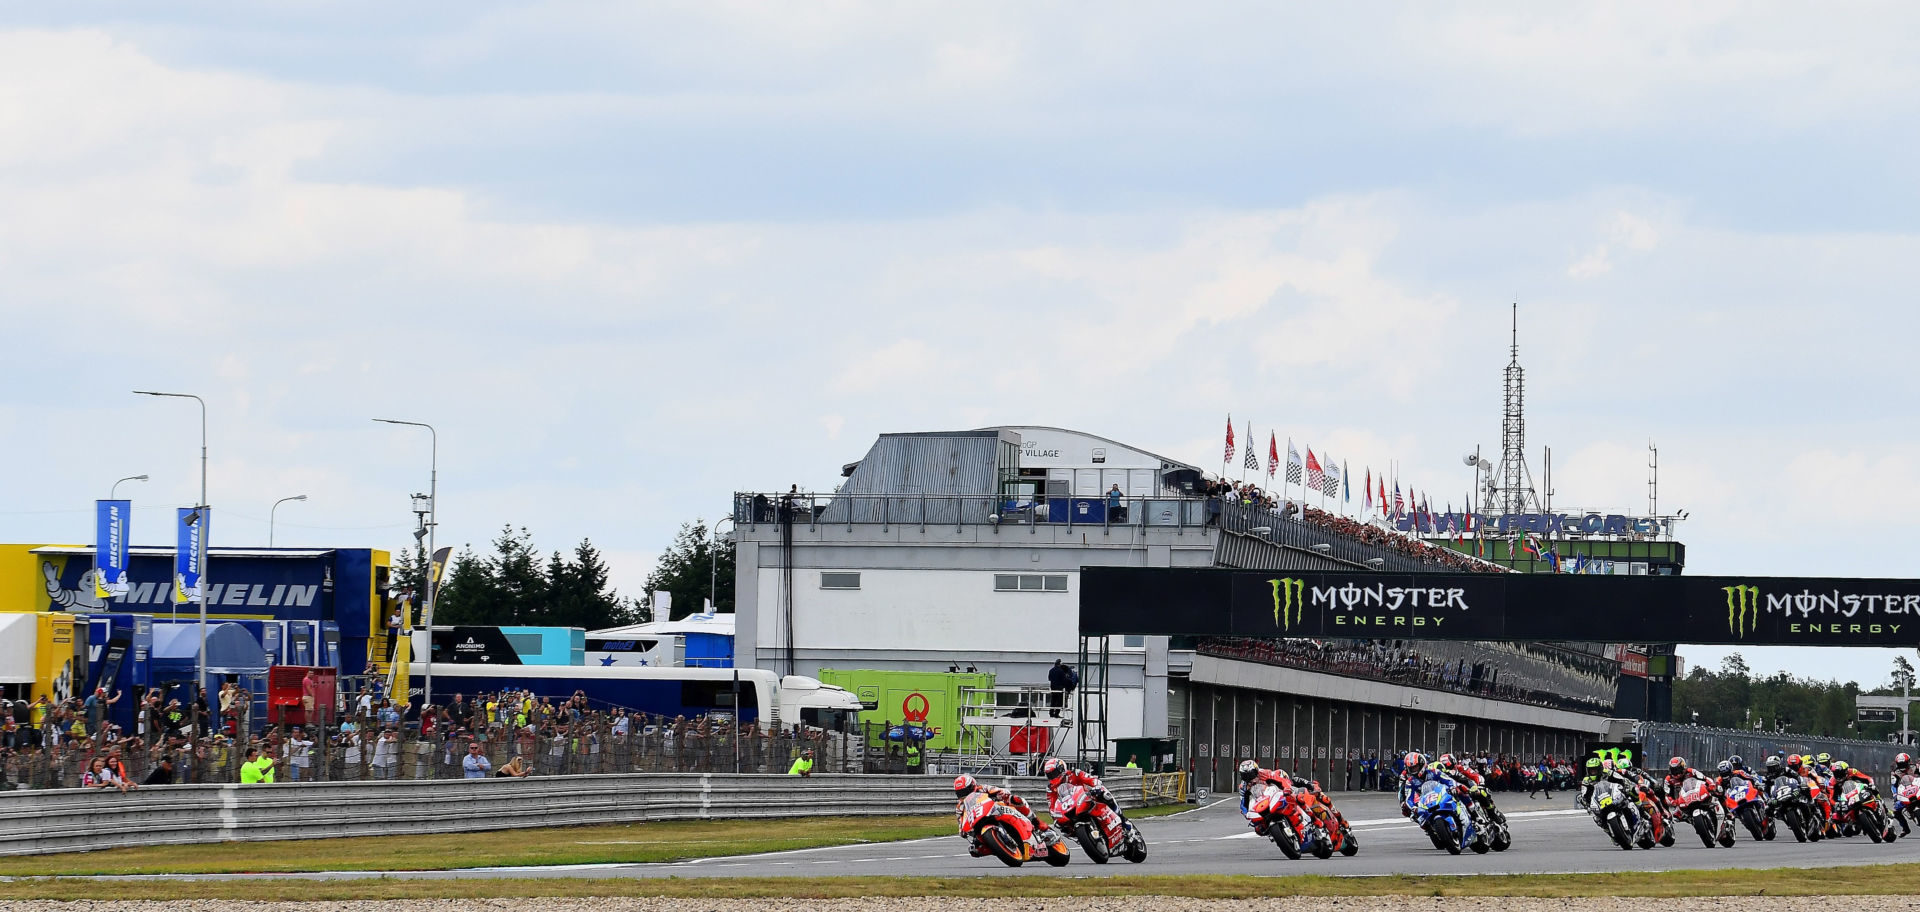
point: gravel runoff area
(1069, 904)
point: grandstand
(963, 549)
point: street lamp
(433, 521)
(113, 493)
(276, 508)
(206, 547)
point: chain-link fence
(598, 743)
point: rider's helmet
(1607, 765)
(1901, 762)
(1725, 768)
(1841, 766)
(1593, 765)
(1279, 773)
(964, 785)
(1676, 766)
(1773, 765)
(1824, 758)
(1248, 770)
(1794, 761)
(1737, 762)
(1414, 763)
(1444, 762)
(1055, 769)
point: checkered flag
(1293, 463)
(1253, 457)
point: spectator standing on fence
(1063, 680)
(476, 765)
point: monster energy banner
(1500, 606)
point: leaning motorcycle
(1699, 806)
(1446, 822)
(1615, 812)
(1858, 805)
(1079, 813)
(1746, 803)
(1906, 802)
(1330, 830)
(1789, 802)
(1006, 833)
(1274, 814)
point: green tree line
(516, 585)
(1733, 697)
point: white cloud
(1596, 263)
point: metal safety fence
(355, 752)
(1703, 747)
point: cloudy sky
(633, 257)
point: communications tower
(1510, 487)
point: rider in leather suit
(966, 785)
(1060, 775)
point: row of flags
(1323, 474)
(1331, 478)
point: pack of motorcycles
(1811, 807)
(1300, 821)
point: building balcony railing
(960, 510)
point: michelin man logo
(81, 597)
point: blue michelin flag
(110, 548)
(190, 552)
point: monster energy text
(1291, 596)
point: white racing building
(960, 550)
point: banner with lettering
(190, 552)
(110, 548)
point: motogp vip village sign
(1500, 606)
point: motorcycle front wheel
(1283, 837)
(1349, 845)
(1617, 828)
(1704, 827)
(1003, 843)
(1091, 841)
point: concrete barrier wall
(77, 820)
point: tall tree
(514, 585)
(687, 570)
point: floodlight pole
(206, 546)
(433, 523)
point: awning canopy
(18, 634)
(230, 650)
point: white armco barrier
(77, 820)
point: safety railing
(1163, 788)
(74, 820)
(961, 510)
(1703, 747)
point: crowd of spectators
(1503, 772)
(1403, 662)
(369, 737)
(1253, 497)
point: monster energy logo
(1289, 601)
(1743, 609)
(1615, 754)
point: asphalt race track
(1550, 837)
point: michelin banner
(190, 553)
(110, 548)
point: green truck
(927, 699)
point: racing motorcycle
(1447, 823)
(1078, 813)
(1330, 830)
(1615, 813)
(1789, 802)
(1858, 806)
(1745, 802)
(1275, 814)
(1006, 833)
(1654, 825)
(1906, 801)
(1698, 805)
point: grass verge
(638, 843)
(1863, 880)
